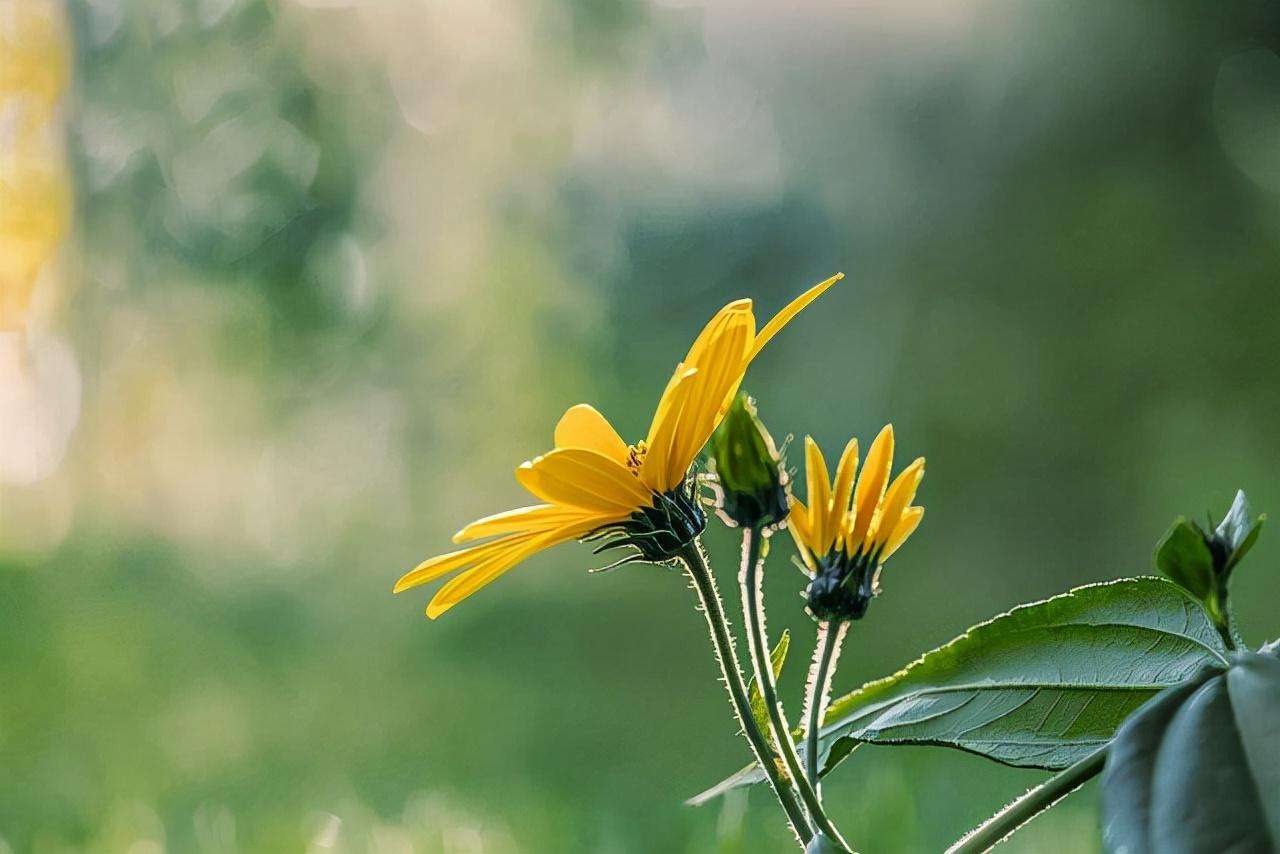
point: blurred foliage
(339, 266)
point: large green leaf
(1197, 770)
(1039, 687)
(1043, 685)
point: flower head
(846, 532)
(749, 469)
(595, 483)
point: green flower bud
(747, 464)
(1202, 561)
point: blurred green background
(336, 268)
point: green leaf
(1045, 684)
(1236, 524)
(1184, 557)
(1246, 544)
(1237, 532)
(834, 751)
(776, 660)
(1040, 687)
(1197, 770)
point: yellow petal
(539, 517)
(871, 485)
(715, 326)
(784, 317)
(583, 479)
(433, 568)
(907, 524)
(663, 408)
(720, 367)
(488, 570)
(582, 426)
(656, 470)
(819, 497)
(896, 500)
(843, 490)
(798, 525)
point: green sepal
(1184, 558)
(1197, 769)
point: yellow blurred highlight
(34, 184)
(39, 380)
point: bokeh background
(290, 286)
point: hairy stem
(825, 654)
(996, 829)
(704, 584)
(751, 580)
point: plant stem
(704, 583)
(825, 653)
(751, 580)
(994, 830)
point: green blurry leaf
(1198, 768)
(1184, 557)
(1043, 685)
(776, 660)
(1039, 687)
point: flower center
(635, 456)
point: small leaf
(834, 751)
(1245, 545)
(1040, 687)
(1236, 524)
(776, 659)
(1197, 770)
(1184, 557)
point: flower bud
(1202, 561)
(748, 467)
(842, 587)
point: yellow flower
(845, 533)
(593, 482)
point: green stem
(704, 583)
(825, 654)
(1222, 615)
(994, 830)
(750, 578)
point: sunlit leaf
(1045, 684)
(1039, 687)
